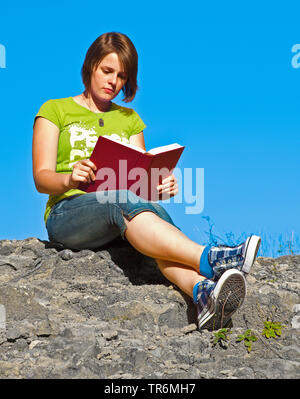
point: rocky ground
(110, 314)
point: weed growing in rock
(272, 329)
(221, 338)
(248, 337)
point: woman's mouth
(108, 91)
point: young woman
(64, 135)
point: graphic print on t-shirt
(83, 141)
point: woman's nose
(113, 79)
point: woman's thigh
(94, 219)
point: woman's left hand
(168, 187)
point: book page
(135, 147)
(164, 148)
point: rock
(296, 322)
(110, 314)
(109, 335)
(2, 316)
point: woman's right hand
(83, 171)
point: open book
(125, 166)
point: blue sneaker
(240, 257)
(217, 301)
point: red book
(124, 166)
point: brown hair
(113, 42)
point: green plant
(248, 337)
(272, 245)
(272, 329)
(288, 246)
(221, 337)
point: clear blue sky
(215, 76)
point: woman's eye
(108, 71)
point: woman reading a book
(64, 135)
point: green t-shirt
(79, 129)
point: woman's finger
(167, 186)
(82, 174)
(169, 192)
(89, 163)
(170, 179)
(80, 166)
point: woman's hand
(168, 187)
(83, 171)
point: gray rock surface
(111, 314)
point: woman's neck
(94, 104)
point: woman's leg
(176, 255)
(155, 237)
(178, 258)
(184, 277)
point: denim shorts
(91, 220)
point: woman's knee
(162, 213)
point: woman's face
(108, 78)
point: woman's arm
(44, 156)
(138, 140)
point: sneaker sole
(251, 252)
(227, 297)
